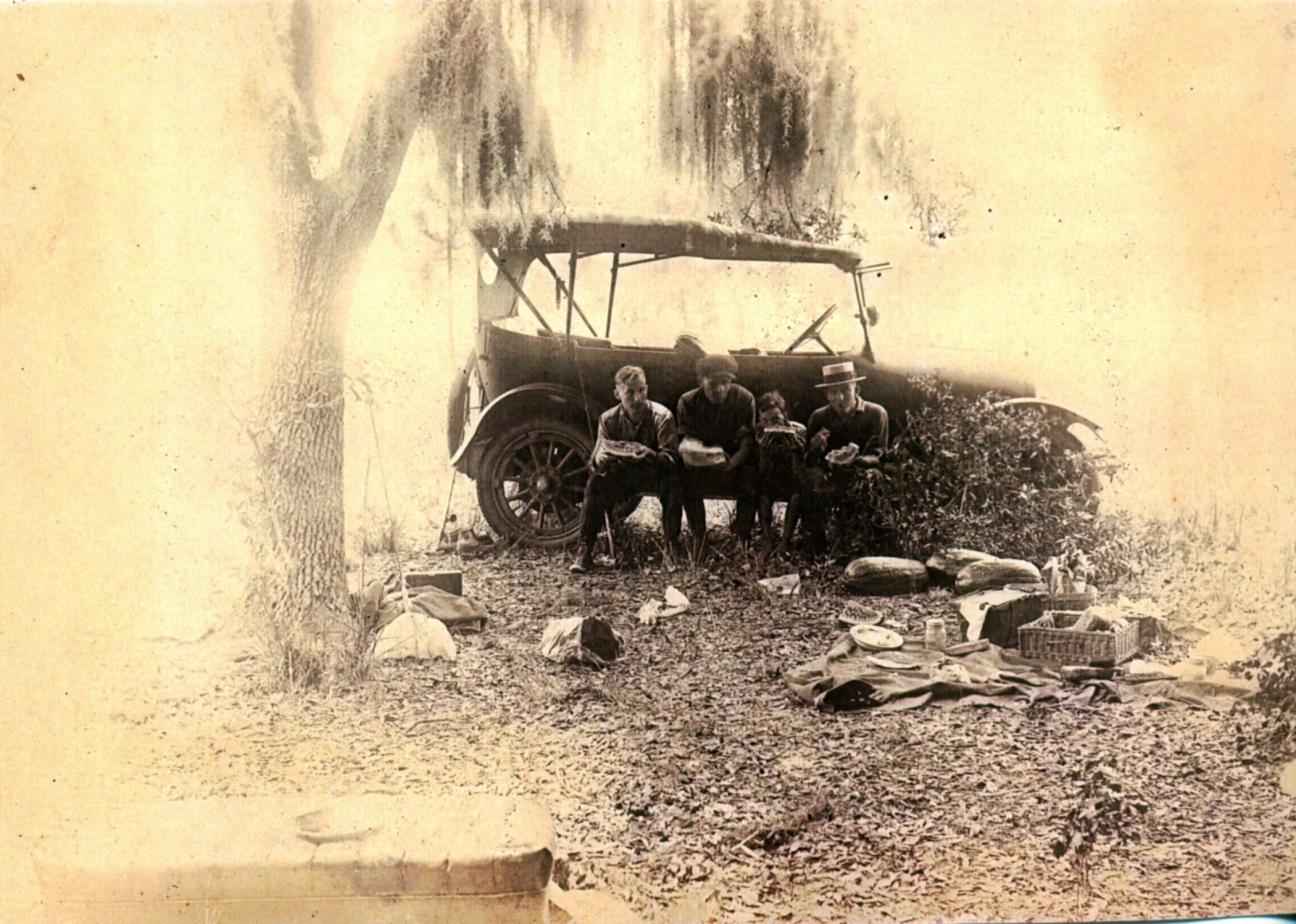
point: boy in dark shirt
(719, 413)
(781, 444)
(847, 419)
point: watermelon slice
(844, 456)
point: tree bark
(326, 225)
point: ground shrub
(1265, 724)
(966, 473)
(1104, 816)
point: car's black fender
(1065, 418)
(537, 401)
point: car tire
(532, 482)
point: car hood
(964, 380)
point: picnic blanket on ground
(849, 677)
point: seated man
(845, 420)
(635, 453)
(781, 445)
(719, 413)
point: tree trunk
(300, 460)
(300, 587)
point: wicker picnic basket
(1050, 639)
(1073, 602)
(1004, 620)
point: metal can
(935, 637)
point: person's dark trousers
(826, 499)
(699, 483)
(819, 498)
(620, 481)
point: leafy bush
(1104, 815)
(966, 473)
(1266, 723)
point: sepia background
(1123, 176)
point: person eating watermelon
(847, 436)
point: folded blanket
(849, 677)
(433, 601)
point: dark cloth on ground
(620, 479)
(435, 602)
(847, 678)
(728, 424)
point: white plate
(876, 638)
(891, 664)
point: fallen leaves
(778, 833)
(657, 767)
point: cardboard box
(372, 859)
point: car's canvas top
(652, 234)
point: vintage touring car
(525, 407)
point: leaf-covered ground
(687, 779)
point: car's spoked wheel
(534, 481)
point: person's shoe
(584, 564)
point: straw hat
(839, 374)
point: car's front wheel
(532, 481)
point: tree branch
(290, 103)
(301, 62)
(380, 136)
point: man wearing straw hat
(847, 419)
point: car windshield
(730, 305)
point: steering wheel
(814, 331)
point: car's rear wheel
(532, 482)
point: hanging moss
(760, 108)
(494, 146)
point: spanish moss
(493, 141)
(760, 107)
